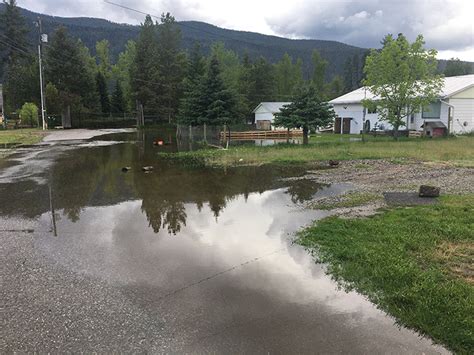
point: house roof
(272, 107)
(452, 85)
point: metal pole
(363, 116)
(40, 61)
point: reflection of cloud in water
(116, 244)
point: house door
(337, 125)
(346, 125)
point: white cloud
(446, 24)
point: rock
(333, 163)
(126, 168)
(429, 191)
(147, 168)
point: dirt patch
(458, 257)
(379, 176)
(394, 182)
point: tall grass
(455, 150)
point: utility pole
(42, 38)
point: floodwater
(175, 260)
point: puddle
(208, 252)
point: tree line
(152, 71)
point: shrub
(29, 114)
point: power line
(183, 24)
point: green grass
(22, 136)
(454, 150)
(351, 199)
(415, 263)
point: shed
(265, 114)
(434, 128)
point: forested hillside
(92, 30)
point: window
(412, 118)
(372, 110)
(433, 110)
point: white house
(265, 114)
(453, 112)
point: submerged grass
(455, 150)
(22, 136)
(415, 263)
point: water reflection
(92, 176)
(204, 254)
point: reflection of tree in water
(302, 190)
(166, 214)
(92, 177)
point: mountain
(91, 30)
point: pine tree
(19, 67)
(244, 88)
(217, 98)
(14, 31)
(191, 111)
(171, 63)
(144, 71)
(103, 93)
(68, 67)
(308, 110)
(348, 75)
(118, 101)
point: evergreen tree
(103, 93)
(191, 111)
(13, 30)
(308, 110)
(356, 72)
(68, 68)
(171, 62)
(218, 100)
(118, 101)
(144, 71)
(455, 67)
(19, 67)
(319, 71)
(244, 88)
(348, 75)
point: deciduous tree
(403, 78)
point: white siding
(463, 113)
(263, 116)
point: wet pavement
(177, 260)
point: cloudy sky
(447, 25)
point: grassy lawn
(455, 150)
(420, 270)
(21, 136)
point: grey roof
(272, 107)
(452, 85)
(434, 124)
